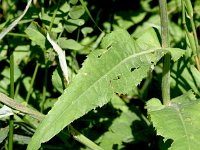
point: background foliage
(114, 91)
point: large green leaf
(118, 67)
(179, 121)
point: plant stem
(88, 12)
(82, 139)
(53, 17)
(32, 82)
(42, 7)
(195, 36)
(192, 35)
(17, 34)
(165, 43)
(189, 35)
(166, 79)
(11, 121)
(44, 86)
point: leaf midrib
(184, 127)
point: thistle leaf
(115, 69)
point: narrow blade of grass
(14, 23)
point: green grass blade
(20, 107)
(13, 24)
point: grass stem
(192, 35)
(11, 121)
(17, 34)
(32, 82)
(44, 87)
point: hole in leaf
(99, 56)
(133, 69)
(117, 93)
(117, 78)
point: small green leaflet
(36, 34)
